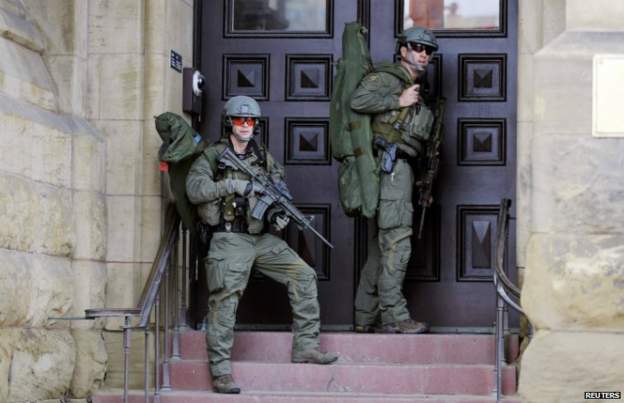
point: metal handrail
(501, 280)
(502, 284)
(162, 278)
(161, 263)
(501, 236)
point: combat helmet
(240, 106)
(418, 35)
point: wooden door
(449, 278)
(282, 53)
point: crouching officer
(401, 125)
(225, 198)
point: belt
(401, 155)
(236, 226)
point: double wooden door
(283, 52)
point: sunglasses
(419, 47)
(239, 121)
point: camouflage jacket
(206, 184)
(378, 93)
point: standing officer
(225, 198)
(401, 121)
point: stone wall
(135, 187)
(52, 213)
(570, 203)
(80, 204)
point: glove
(244, 187)
(238, 186)
(281, 221)
(255, 188)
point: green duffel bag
(350, 132)
(180, 141)
(181, 146)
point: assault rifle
(425, 184)
(273, 193)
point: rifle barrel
(321, 237)
(421, 225)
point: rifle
(274, 193)
(433, 164)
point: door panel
(450, 285)
(267, 50)
(289, 69)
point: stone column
(165, 25)
(574, 282)
(80, 204)
(52, 210)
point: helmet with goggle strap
(240, 106)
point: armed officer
(402, 123)
(225, 198)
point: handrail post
(166, 385)
(179, 308)
(126, 352)
(145, 366)
(500, 346)
(157, 348)
(185, 274)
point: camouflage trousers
(230, 259)
(379, 296)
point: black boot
(408, 326)
(225, 384)
(314, 357)
(364, 329)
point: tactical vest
(408, 127)
(233, 211)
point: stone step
(353, 347)
(449, 379)
(290, 397)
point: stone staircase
(372, 369)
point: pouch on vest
(210, 212)
(225, 207)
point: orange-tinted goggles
(239, 121)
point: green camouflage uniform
(379, 291)
(232, 255)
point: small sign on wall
(608, 93)
(175, 61)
